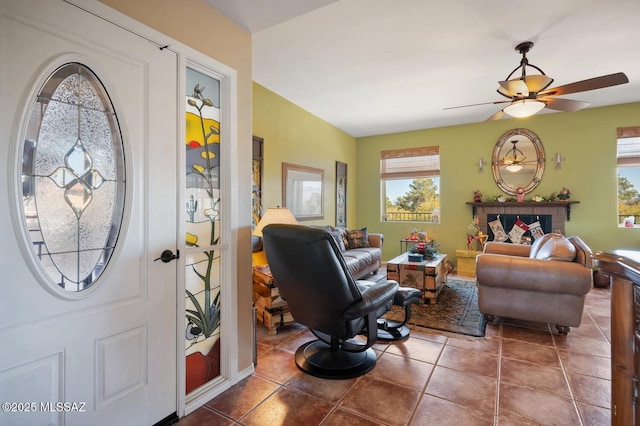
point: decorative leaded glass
(73, 177)
(202, 275)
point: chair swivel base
(317, 359)
(392, 330)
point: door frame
(187, 56)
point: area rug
(456, 310)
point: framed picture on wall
(303, 191)
(341, 194)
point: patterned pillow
(358, 238)
(338, 236)
(344, 241)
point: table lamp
(272, 215)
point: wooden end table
(271, 309)
(429, 276)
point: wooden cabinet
(624, 268)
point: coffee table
(428, 276)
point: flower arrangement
(417, 234)
(428, 249)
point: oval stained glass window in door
(73, 177)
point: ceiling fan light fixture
(524, 108)
(511, 88)
(537, 82)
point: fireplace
(554, 214)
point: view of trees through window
(629, 194)
(412, 199)
(629, 177)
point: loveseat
(362, 251)
(544, 282)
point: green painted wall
(293, 135)
(586, 138)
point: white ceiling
(378, 66)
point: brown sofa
(545, 282)
(362, 251)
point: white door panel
(111, 351)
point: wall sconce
(558, 159)
(481, 163)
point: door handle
(167, 256)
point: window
(73, 178)
(629, 177)
(410, 184)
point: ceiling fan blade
(589, 84)
(568, 105)
(495, 116)
(511, 88)
(483, 103)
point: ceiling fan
(528, 94)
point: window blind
(410, 163)
(629, 151)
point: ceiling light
(524, 85)
(524, 108)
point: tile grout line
(566, 379)
(496, 411)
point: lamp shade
(524, 108)
(274, 215)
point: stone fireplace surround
(559, 211)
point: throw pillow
(557, 249)
(538, 243)
(343, 236)
(357, 238)
(338, 235)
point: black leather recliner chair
(321, 293)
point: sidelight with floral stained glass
(202, 320)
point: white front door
(105, 355)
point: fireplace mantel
(559, 210)
(529, 206)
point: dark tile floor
(518, 374)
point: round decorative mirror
(518, 161)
